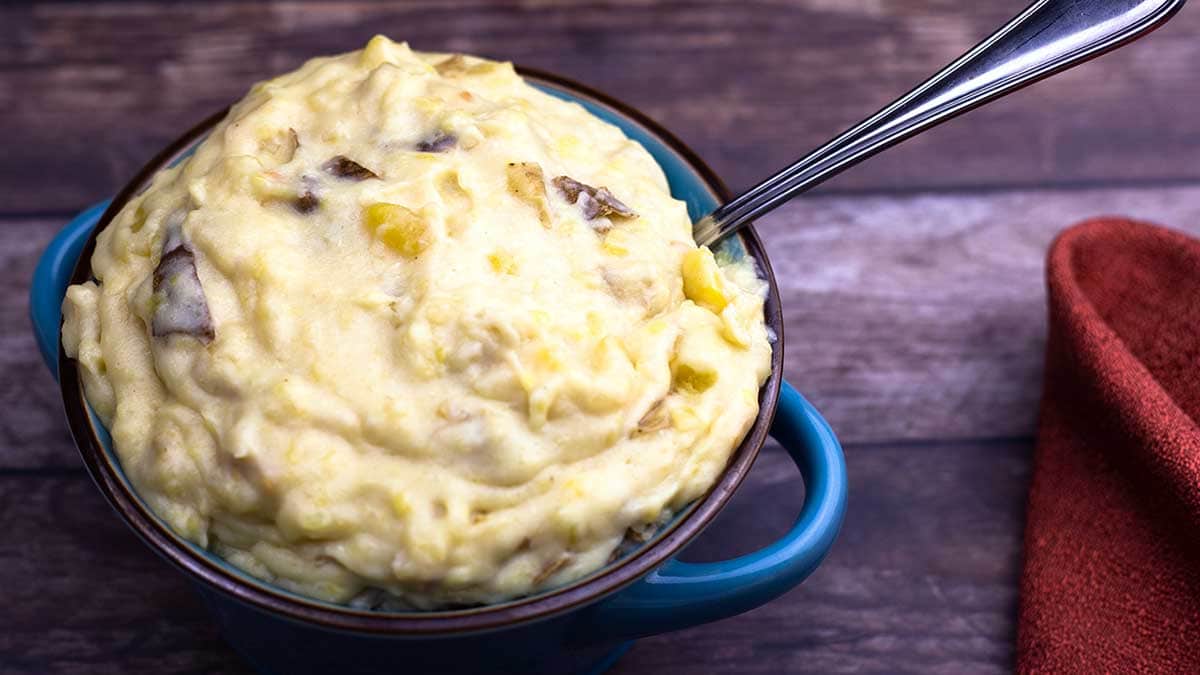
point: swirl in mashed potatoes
(404, 322)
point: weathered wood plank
(923, 316)
(33, 427)
(83, 595)
(917, 317)
(922, 579)
(751, 84)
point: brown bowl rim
(589, 589)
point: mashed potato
(403, 322)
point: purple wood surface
(91, 90)
(912, 287)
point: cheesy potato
(404, 325)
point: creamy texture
(368, 337)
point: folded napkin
(1112, 541)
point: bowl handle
(51, 278)
(680, 594)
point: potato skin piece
(526, 182)
(439, 142)
(341, 166)
(595, 202)
(182, 308)
(307, 202)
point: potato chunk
(181, 307)
(702, 280)
(692, 379)
(527, 183)
(594, 202)
(401, 229)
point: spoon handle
(1049, 36)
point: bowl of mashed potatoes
(408, 345)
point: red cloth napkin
(1112, 541)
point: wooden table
(912, 287)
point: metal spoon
(1049, 36)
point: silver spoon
(1049, 36)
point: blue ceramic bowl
(582, 627)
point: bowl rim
(572, 596)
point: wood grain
(922, 580)
(91, 90)
(923, 316)
(901, 592)
(89, 597)
(33, 428)
(907, 318)
(912, 287)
